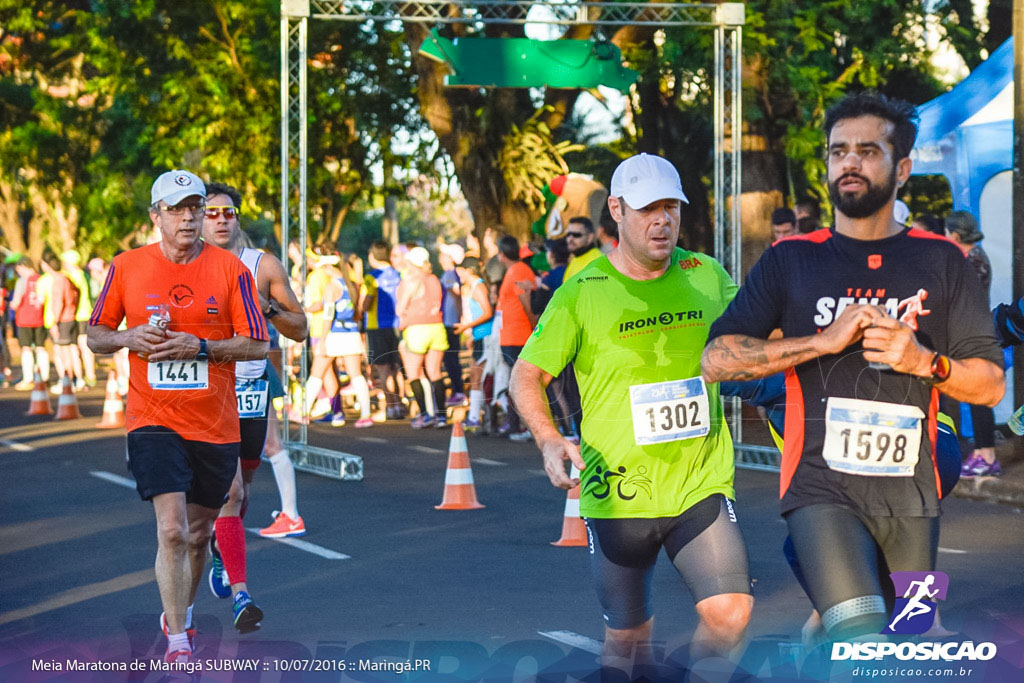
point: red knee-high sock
(231, 541)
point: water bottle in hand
(160, 319)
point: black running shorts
(382, 347)
(66, 333)
(842, 554)
(163, 462)
(31, 336)
(704, 543)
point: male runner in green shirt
(657, 457)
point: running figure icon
(915, 607)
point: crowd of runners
(607, 351)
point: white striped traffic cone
(67, 404)
(113, 408)
(39, 401)
(459, 491)
(574, 531)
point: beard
(580, 251)
(867, 204)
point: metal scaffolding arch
(725, 19)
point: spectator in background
(27, 304)
(580, 238)
(8, 278)
(517, 318)
(424, 340)
(450, 256)
(783, 223)
(332, 308)
(962, 228)
(806, 225)
(929, 223)
(808, 215)
(562, 392)
(324, 270)
(70, 261)
(64, 298)
(607, 231)
(477, 317)
(379, 297)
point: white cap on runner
(646, 178)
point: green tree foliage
(800, 57)
(100, 97)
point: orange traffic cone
(39, 403)
(113, 409)
(459, 492)
(67, 404)
(574, 531)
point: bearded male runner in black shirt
(877, 319)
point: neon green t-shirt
(650, 451)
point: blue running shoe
(248, 615)
(220, 585)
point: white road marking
(952, 551)
(304, 545)
(425, 449)
(115, 479)
(488, 461)
(14, 445)
(372, 439)
(574, 640)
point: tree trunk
(10, 217)
(471, 124)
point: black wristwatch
(204, 353)
(271, 311)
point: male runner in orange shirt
(182, 418)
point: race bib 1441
(177, 375)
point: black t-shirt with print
(800, 285)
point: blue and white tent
(966, 135)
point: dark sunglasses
(228, 211)
(577, 235)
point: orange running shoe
(284, 526)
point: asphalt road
(477, 595)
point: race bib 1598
(872, 438)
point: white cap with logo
(173, 186)
(645, 178)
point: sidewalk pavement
(1007, 489)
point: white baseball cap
(173, 186)
(645, 178)
(454, 251)
(418, 256)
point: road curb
(992, 489)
